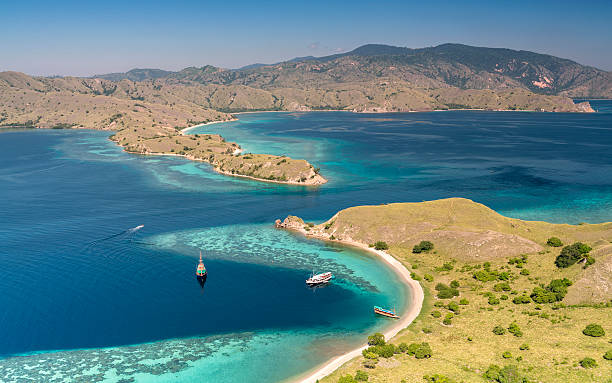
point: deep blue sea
(83, 299)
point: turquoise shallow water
(118, 307)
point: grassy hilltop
(494, 295)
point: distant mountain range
(448, 65)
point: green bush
(402, 347)
(436, 314)
(422, 246)
(428, 277)
(436, 378)
(464, 302)
(453, 306)
(521, 299)
(503, 297)
(447, 266)
(485, 275)
(361, 376)
(369, 354)
(589, 261)
(420, 350)
(346, 379)
(524, 347)
(554, 292)
(588, 363)
(608, 355)
(377, 339)
(502, 286)
(493, 300)
(446, 292)
(385, 351)
(380, 245)
(506, 355)
(499, 330)
(525, 272)
(554, 242)
(515, 330)
(572, 254)
(454, 284)
(508, 374)
(370, 363)
(427, 330)
(594, 330)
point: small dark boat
(385, 312)
(201, 270)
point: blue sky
(85, 38)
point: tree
(499, 330)
(572, 254)
(381, 245)
(508, 374)
(422, 246)
(377, 339)
(554, 242)
(608, 355)
(515, 330)
(521, 299)
(594, 330)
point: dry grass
(554, 334)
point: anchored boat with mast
(201, 270)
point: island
(502, 296)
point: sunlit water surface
(83, 300)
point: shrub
(554, 242)
(369, 354)
(521, 299)
(422, 246)
(572, 254)
(436, 314)
(499, 330)
(454, 284)
(420, 350)
(428, 277)
(346, 379)
(608, 355)
(506, 355)
(502, 286)
(453, 306)
(485, 275)
(515, 330)
(524, 347)
(377, 339)
(588, 363)
(445, 292)
(594, 330)
(464, 302)
(380, 245)
(493, 300)
(508, 374)
(447, 266)
(503, 297)
(427, 330)
(448, 320)
(525, 272)
(361, 376)
(437, 379)
(554, 292)
(589, 261)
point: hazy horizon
(79, 39)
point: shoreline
(412, 310)
(187, 129)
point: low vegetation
(486, 320)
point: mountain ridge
(446, 65)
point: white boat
(317, 279)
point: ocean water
(83, 299)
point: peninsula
(503, 296)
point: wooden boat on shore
(319, 279)
(385, 312)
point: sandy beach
(413, 308)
